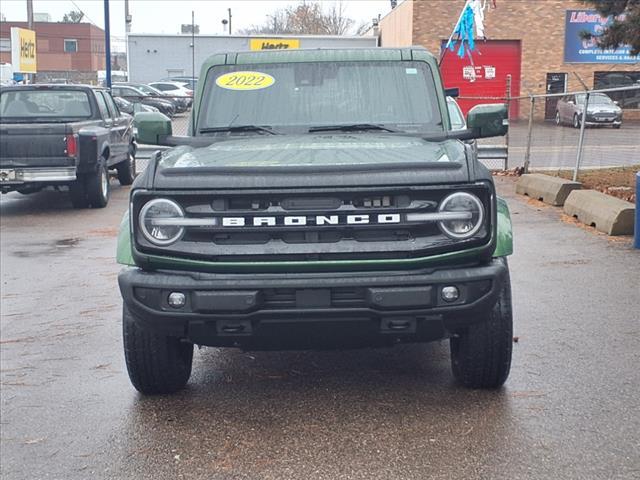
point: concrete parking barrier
(606, 213)
(551, 190)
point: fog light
(450, 293)
(177, 299)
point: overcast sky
(166, 16)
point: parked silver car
(601, 110)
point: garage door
(493, 62)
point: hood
(313, 160)
(603, 108)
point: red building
(73, 51)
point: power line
(84, 14)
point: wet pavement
(570, 408)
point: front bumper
(21, 175)
(593, 121)
(308, 309)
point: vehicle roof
(170, 82)
(54, 86)
(319, 55)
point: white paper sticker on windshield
(411, 71)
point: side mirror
(616, 102)
(488, 120)
(152, 126)
(453, 92)
(570, 102)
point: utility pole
(30, 76)
(229, 20)
(127, 29)
(127, 17)
(193, 47)
(107, 41)
(30, 14)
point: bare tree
(306, 18)
(73, 16)
(336, 22)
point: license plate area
(7, 175)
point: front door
(556, 83)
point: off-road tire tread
(481, 355)
(157, 364)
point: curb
(551, 190)
(607, 214)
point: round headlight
(466, 227)
(158, 221)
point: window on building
(70, 45)
(613, 79)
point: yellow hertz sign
(23, 50)
(274, 43)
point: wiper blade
(241, 128)
(352, 128)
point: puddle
(67, 242)
(58, 246)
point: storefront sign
(577, 50)
(23, 50)
(274, 43)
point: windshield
(595, 99)
(32, 105)
(292, 97)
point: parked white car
(173, 89)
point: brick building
(72, 51)
(533, 42)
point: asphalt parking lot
(569, 409)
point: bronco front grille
(313, 225)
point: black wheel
(481, 354)
(617, 126)
(576, 121)
(558, 118)
(127, 168)
(78, 193)
(97, 185)
(156, 363)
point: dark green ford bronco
(321, 200)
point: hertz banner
(23, 50)
(274, 43)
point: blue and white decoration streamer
(464, 32)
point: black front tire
(156, 363)
(97, 185)
(481, 354)
(127, 169)
(576, 121)
(558, 121)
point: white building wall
(153, 57)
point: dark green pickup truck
(321, 200)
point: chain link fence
(576, 130)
